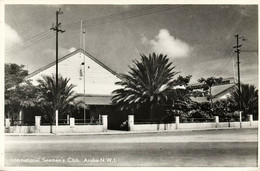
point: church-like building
(99, 80)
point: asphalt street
(234, 147)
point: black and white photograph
(129, 85)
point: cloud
(12, 37)
(168, 45)
(246, 11)
(72, 49)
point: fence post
(68, 119)
(56, 121)
(37, 123)
(7, 123)
(72, 122)
(217, 121)
(99, 118)
(251, 119)
(130, 122)
(240, 118)
(177, 121)
(104, 121)
(20, 118)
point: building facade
(93, 80)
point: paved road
(236, 147)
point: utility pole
(237, 47)
(84, 78)
(56, 28)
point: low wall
(72, 128)
(20, 129)
(152, 127)
(191, 126)
(197, 125)
(80, 129)
(61, 129)
(255, 123)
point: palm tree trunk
(152, 117)
(51, 121)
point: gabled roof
(70, 55)
(217, 92)
(229, 80)
(221, 90)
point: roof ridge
(225, 90)
(68, 56)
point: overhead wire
(89, 23)
(30, 43)
(120, 16)
(226, 58)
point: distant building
(219, 91)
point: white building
(99, 82)
(99, 79)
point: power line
(29, 44)
(119, 16)
(35, 37)
(239, 28)
(93, 22)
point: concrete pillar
(72, 122)
(130, 122)
(37, 123)
(20, 118)
(217, 121)
(104, 121)
(240, 118)
(56, 120)
(99, 118)
(177, 121)
(7, 123)
(68, 119)
(251, 120)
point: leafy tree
(225, 110)
(200, 110)
(249, 99)
(149, 83)
(48, 99)
(14, 75)
(19, 94)
(18, 98)
(209, 82)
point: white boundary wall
(153, 127)
(189, 126)
(60, 129)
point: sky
(198, 39)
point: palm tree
(249, 99)
(49, 100)
(209, 82)
(149, 83)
